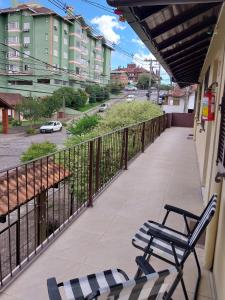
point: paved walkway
(101, 238)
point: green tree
(73, 98)
(84, 125)
(31, 108)
(50, 106)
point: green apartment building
(75, 56)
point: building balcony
(167, 172)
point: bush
(73, 98)
(31, 131)
(115, 88)
(84, 125)
(37, 150)
(16, 123)
(97, 93)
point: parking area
(13, 145)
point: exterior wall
(174, 108)
(57, 42)
(207, 146)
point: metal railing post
(143, 138)
(126, 149)
(90, 174)
(97, 171)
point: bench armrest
(144, 265)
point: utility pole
(151, 61)
(158, 85)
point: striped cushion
(204, 220)
(141, 241)
(111, 284)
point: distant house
(119, 77)
(133, 72)
(180, 100)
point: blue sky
(108, 25)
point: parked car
(130, 98)
(103, 107)
(131, 88)
(51, 126)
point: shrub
(16, 123)
(84, 125)
(97, 93)
(115, 88)
(30, 131)
(37, 150)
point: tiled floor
(101, 238)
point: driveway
(13, 145)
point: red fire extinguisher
(208, 106)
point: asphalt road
(13, 145)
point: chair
(170, 245)
(115, 284)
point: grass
(91, 105)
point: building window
(176, 101)
(65, 41)
(65, 55)
(13, 25)
(65, 28)
(55, 52)
(13, 68)
(46, 36)
(13, 39)
(26, 40)
(26, 68)
(20, 82)
(26, 26)
(78, 44)
(56, 39)
(13, 53)
(78, 30)
(65, 82)
(57, 81)
(46, 50)
(26, 53)
(46, 19)
(77, 70)
(43, 81)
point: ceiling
(178, 33)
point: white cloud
(138, 42)
(140, 57)
(107, 26)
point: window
(77, 70)
(26, 53)
(26, 26)
(20, 82)
(13, 53)
(78, 30)
(26, 67)
(57, 81)
(65, 82)
(56, 38)
(46, 19)
(43, 81)
(65, 41)
(176, 101)
(65, 28)
(13, 68)
(55, 52)
(65, 55)
(26, 40)
(13, 25)
(46, 36)
(46, 50)
(13, 39)
(78, 44)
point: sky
(106, 24)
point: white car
(103, 107)
(51, 126)
(130, 98)
(131, 88)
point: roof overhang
(178, 33)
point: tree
(165, 87)
(143, 81)
(31, 108)
(50, 106)
(73, 98)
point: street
(13, 145)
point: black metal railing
(40, 198)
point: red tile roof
(28, 184)
(10, 100)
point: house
(180, 100)
(119, 77)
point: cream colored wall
(207, 145)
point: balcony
(167, 172)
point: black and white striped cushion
(204, 220)
(141, 241)
(111, 284)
